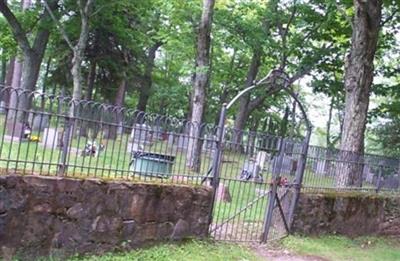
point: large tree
(32, 53)
(200, 83)
(359, 74)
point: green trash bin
(152, 164)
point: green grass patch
(192, 250)
(343, 248)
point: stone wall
(347, 213)
(41, 216)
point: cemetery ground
(113, 164)
(246, 198)
(292, 248)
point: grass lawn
(342, 248)
(192, 250)
(295, 248)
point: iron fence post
(216, 163)
(398, 176)
(378, 182)
(62, 167)
(299, 176)
(273, 191)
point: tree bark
(78, 51)
(357, 83)
(117, 116)
(84, 128)
(145, 90)
(244, 110)
(90, 81)
(284, 123)
(32, 54)
(225, 91)
(8, 80)
(329, 124)
(6, 69)
(3, 72)
(10, 72)
(200, 84)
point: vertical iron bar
(276, 171)
(217, 159)
(299, 176)
(65, 146)
(378, 182)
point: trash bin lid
(154, 156)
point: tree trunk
(8, 81)
(3, 76)
(145, 90)
(284, 123)
(84, 128)
(245, 110)
(357, 82)
(117, 116)
(79, 49)
(3, 72)
(293, 118)
(16, 76)
(32, 56)
(90, 81)
(251, 143)
(224, 95)
(78, 56)
(200, 84)
(10, 72)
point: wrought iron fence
(363, 172)
(44, 134)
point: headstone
(288, 167)
(320, 166)
(391, 182)
(170, 139)
(50, 138)
(120, 129)
(209, 144)
(182, 142)
(2, 107)
(158, 132)
(14, 129)
(368, 174)
(261, 158)
(141, 134)
(134, 147)
(40, 122)
(223, 193)
(287, 164)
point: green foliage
(302, 37)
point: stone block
(64, 216)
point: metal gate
(258, 181)
(256, 178)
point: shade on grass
(343, 248)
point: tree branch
(284, 33)
(16, 28)
(390, 17)
(59, 25)
(348, 19)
